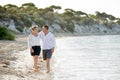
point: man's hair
(45, 26)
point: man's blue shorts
(47, 54)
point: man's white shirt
(47, 41)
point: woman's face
(35, 30)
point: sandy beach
(7, 48)
(93, 53)
(15, 61)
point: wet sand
(7, 48)
(16, 63)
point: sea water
(87, 58)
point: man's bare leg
(48, 65)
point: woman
(34, 44)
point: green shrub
(5, 34)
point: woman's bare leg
(35, 58)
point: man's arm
(53, 43)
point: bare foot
(35, 70)
(37, 67)
(47, 71)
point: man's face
(44, 29)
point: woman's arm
(30, 43)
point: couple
(47, 45)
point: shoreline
(20, 42)
(8, 50)
(83, 34)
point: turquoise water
(87, 58)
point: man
(48, 45)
